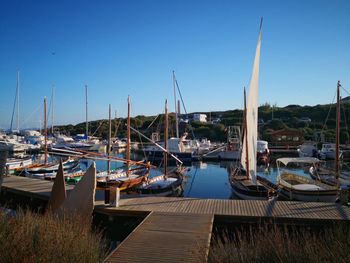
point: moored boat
(243, 179)
(296, 187)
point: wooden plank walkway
(234, 208)
(36, 188)
(41, 189)
(164, 237)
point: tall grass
(276, 244)
(30, 237)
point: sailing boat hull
(245, 189)
(295, 187)
(162, 186)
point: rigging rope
(99, 126)
(183, 105)
(30, 116)
(330, 107)
(13, 111)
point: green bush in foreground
(283, 245)
(30, 237)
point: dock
(164, 237)
(176, 229)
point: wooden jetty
(164, 237)
(178, 229)
(278, 211)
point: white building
(200, 117)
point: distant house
(200, 117)
(286, 137)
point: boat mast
(166, 138)
(337, 133)
(17, 100)
(45, 130)
(52, 109)
(245, 126)
(127, 155)
(109, 142)
(86, 113)
(176, 112)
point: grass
(282, 244)
(30, 237)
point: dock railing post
(344, 195)
(114, 196)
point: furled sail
(251, 131)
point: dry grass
(30, 237)
(283, 245)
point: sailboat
(168, 183)
(40, 169)
(123, 178)
(243, 179)
(296, 187)
(326, 175)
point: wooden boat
(296, 187)
(163, 185)
(122, 178)
(328, 176)
(47, 170)
(17, 163)
(245, 184)
(169, 183)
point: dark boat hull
(245, 189)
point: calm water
(204, 179)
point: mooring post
(107, 193)
(344, 195)
(114, 196)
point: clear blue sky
(120, 48)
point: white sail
(251, 131)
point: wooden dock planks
(29, 187)
(164, 237)
(235, 208)
(275, 209)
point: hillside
(308, 119)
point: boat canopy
(287, 160)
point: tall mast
(245, 133)
(128, 138)
(337, 133)
(17, 100)
(86, 113)
(52, 109)
(109, 141)
(45, 130)
(166, 138)
(176, 112)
